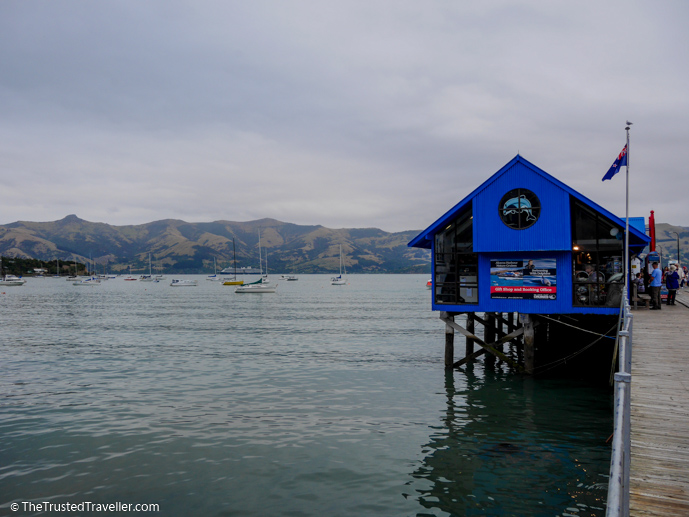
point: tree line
(23, 267)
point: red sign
(523, 289)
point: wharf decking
(659, 482)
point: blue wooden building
(524, 242)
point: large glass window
(597, 257)
(456, 265)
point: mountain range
(181, 247)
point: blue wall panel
(552, 231)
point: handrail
(618, 484)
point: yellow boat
(233, 280)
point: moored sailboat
(233, 279)
(339, 280)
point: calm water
(317, 400)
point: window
(456, 265)
(597, 258)
(519, 209)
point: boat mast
(234, 253)
(260, 260)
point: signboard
(524, 279)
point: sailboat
(256, 287)
(214, 277)
(90, 279)
(233, 280)
(75, 276)
(149, 276)
(130, 278)
(338, 280)
(262, 285)
(265, 278)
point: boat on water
(129, 277)
(184, 283)
(87, 282)
(264, 277)
(233, 279)
(9, 280)
(429, 284)
(214, 277)
(256, 287)
(339, 280)
(262, 285)
(149, 276)
(289, 278)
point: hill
(667, 236)
(181, 247)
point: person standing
(672, 283)
(654, 288)
(682, 275)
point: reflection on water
(509, 445)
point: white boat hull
(256, 288)
(11, 282)
(184, 283)
(89, 282)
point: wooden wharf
(659, 479)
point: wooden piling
(489, 336)
(529, 342)
(469, 341)
(449, 340)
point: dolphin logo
(516, 205)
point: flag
(615, 168)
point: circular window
(519, 208)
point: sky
(376, 113)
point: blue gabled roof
(424, 239)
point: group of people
(673, 277)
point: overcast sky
(347, 114)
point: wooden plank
(660, 412)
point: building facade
(525, 242)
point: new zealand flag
(619, 162)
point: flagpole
(626, 232)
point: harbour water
(316, 400)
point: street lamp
(677, 234)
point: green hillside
(180, 247)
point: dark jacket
(672, 280)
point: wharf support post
(529, 338)
(470, 328)
(449, 340)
